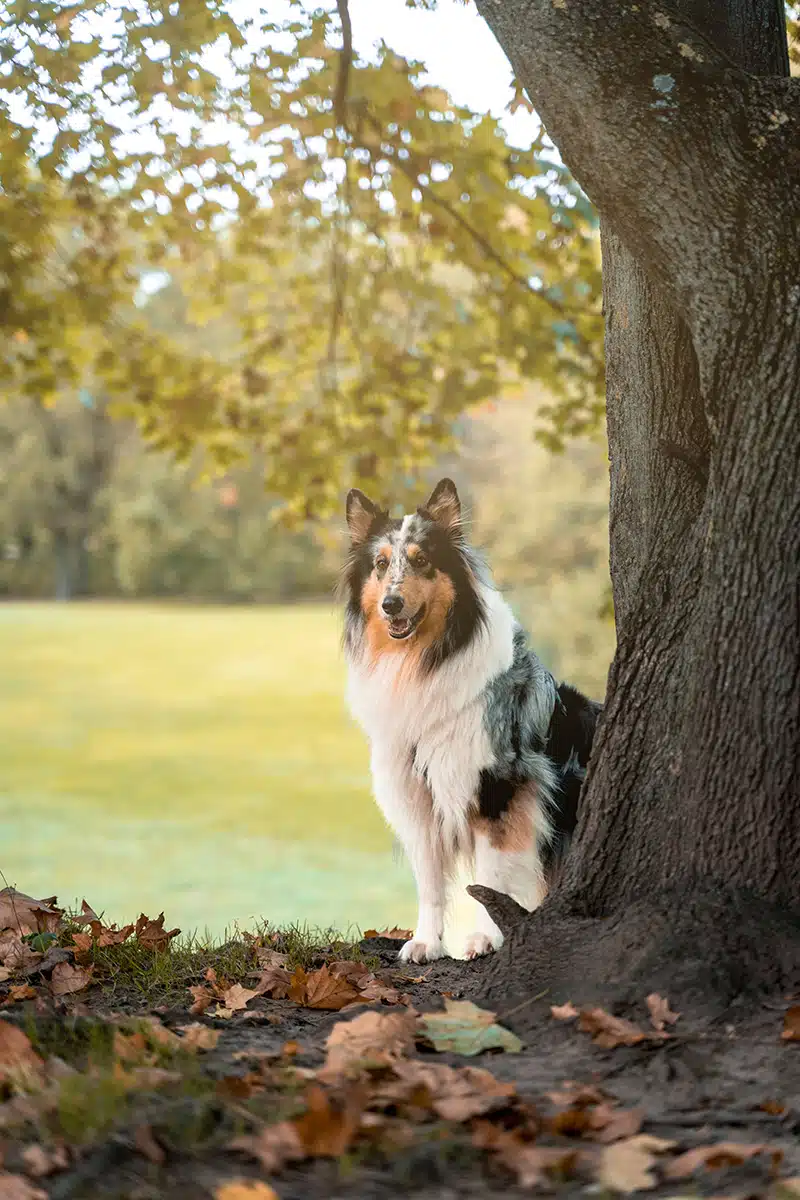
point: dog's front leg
(406, 803)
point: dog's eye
(381, 562)
(421, 560)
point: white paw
(482, 943)
(420, 952)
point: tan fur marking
(514, 832)
(436, 594)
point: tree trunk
(694, 164)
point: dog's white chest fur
(428, 732)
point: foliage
(390, 258)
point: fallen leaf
(578, 1094)
(787, 1189)
(23, 914)
(17, 1187)
(67, 979)
(352, 971)
(627, 1165)
(607, 1124)
(371, 1037)
(375, 989)
(775, 1108)
(198, 1037)
(270, 958)
(16, 1052)
(791, 1024)
(203, 999)
(466, 1029)
(245, 1189)
(396, 934)
(237, 997)
(723, 1154)
(129, 1047)
(152, 934)
(275, 982)
(273, 1146)
(531, 1164)
(145, 1142)
(111, 936)
(40, 1161)
(157, 1032)
(455, 1093)
(660, 1012)
(19, 992)
(82, 945)
(610, 1032)
(17, 955)
(327, 1127)
(87, 915)
(321, 989)
(563, 1012)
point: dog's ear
(361, 512)
(444, 506)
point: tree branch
(675, 145)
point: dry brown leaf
(274, 981)
(791, 1024)
(17, 1187)
(87, 915)
(375, 989)
(245, 1189)
(236, 998)
(608, 1031)
(607, 1124)
(67, 978)
(129, 1047)
(152, 934)
(564, 1012)
(395, 933)
(454, 1093)
(40, 1161)
(198, 1037)
(627, 1165)
(82, 945)
(16, 1052)
(371, 1037)
(273, 1146)
(17, 955)
(270, 958)
(111, 936)
(20, 992)
(203, 999)
(355, 972)
(145, 1142)
(722, 1154)
(4, 974)
(321, 989)
(534, 1166)
(660, 1012)
(578, 1094)
(23, 914)
(327, 1127)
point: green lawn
(198, 760)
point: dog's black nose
(391, 605)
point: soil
(724, 1074)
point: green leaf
(466, 1029)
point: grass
(197, 760)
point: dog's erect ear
(361, 512)
(444, 505)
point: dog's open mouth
(403, 627)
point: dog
(477, 755)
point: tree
(681, 123)
(392, 258)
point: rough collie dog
(477, 755)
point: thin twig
(532, 1000)
(345, 62)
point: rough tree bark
(680, 122)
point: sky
(458, 48)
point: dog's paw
(482, 943)
(420, 952)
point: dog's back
(569, 744)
